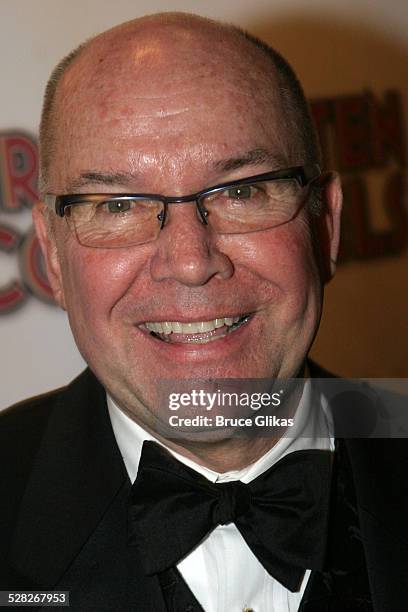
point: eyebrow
(101, 178)
(252, 158)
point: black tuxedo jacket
(63, 515)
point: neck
(225, 455)
(227, 449)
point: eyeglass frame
(304, 175)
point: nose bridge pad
(202, 214)
(163, 215)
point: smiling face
(175, 109)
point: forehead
(168, 97)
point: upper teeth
(167, 327)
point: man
(222, 284)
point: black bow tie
(282, 515)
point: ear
(329, 223)
(48, 242)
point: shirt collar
(311, 431)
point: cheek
(303, 285)
(95, 280)
(282, 258)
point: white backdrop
(37, 351)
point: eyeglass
(259, 202)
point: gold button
(248, 610)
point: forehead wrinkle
(122, 69)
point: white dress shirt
(222, 571)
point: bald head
(156, 61)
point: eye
(240, 192)
(116, 206)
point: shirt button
(248, 610)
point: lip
(186, 353)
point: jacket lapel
(344, 585)
(76, 475)
(380, 468)
(368, 540)
(376, 471)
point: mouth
(194, 332)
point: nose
(188, 251)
